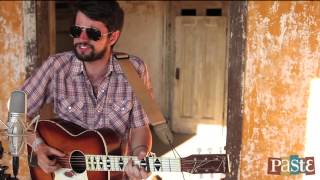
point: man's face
(87, 49)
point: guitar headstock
(205, 163)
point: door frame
(40, 32)
(237, 51)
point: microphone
(15, 124)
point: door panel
(201, 58)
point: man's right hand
(46, 157)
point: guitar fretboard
(117, 163)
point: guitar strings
(165, 168)
(194, 165)
(81, 159)
(174, 151)
(186, 162)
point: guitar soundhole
(78, 162)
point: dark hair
(108, 12)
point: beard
(92, 56)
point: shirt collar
(77, 67)
(115, 65)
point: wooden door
(199, 87)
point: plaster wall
(283, 58)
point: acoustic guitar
(97, 155)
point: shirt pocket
(71, 107)
(118, 114)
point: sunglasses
(92, 33)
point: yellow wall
(12, 68)
(283, 57)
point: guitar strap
(151, 108)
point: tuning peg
(199, 150)
(210, 150)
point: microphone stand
(3, 175)
(1, 150)
(15, 166)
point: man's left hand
(135, 172)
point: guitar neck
(117, 163)
(195, 164)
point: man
(88, 87)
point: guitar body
(68, 137)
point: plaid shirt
(62, 80)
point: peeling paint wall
(12, 67)
(283, 56)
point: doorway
(210, 107)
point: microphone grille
(17, 102)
